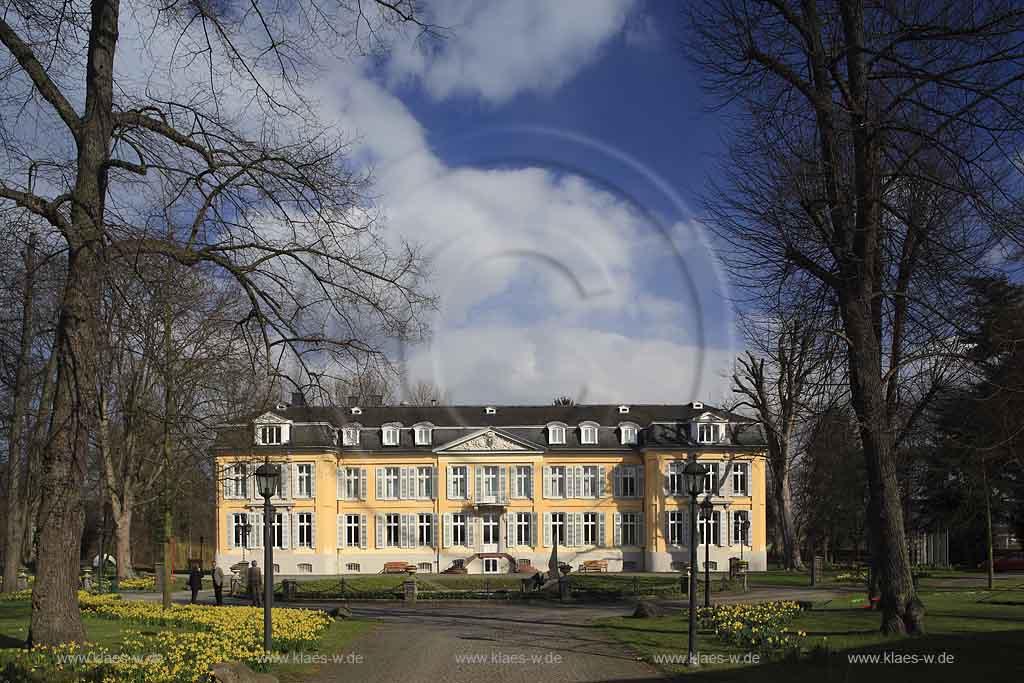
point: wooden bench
(398, 568)
(593, 566)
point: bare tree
(875, 166)
(424, 393)
(225, 169)
(785, 378)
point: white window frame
(676, 527)
(425, 529)
(556, 434)
(737, 530)
(459, 481)
(521, 481)
(423, 435)
(630, 528)
(628, 434)
(239, 475)
(676, 481)
(591, 482)
(489, 481)
(390, 435)
(392, 530)
(740, 479)
(424, 482)
(353, 538)
(590, 529)
(708, 526)
(304, 479)
(351, 479)
(304, 524)
(350, 436)
(629, 474)
(710, 477)
(271, 435)
(588, 434)
(559, 521)
(277, 530)
(459, 523)
(238, 522)
(392, 476)
(715, 430)
(559, 474)
(523, 532)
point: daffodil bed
(203, 636)
(762, 627)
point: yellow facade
(331, 553)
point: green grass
(983, 638)
(14, 622)
(334, 643)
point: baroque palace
(490, 488)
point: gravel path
(497, 643)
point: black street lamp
(744, 530)
(267, 478)
(693, 480)
(706, 509)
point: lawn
(361, 583)
(334, 643)
(14, 619)
(984, 640)
(110, 633)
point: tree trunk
(787, 525)
(17, 453)
(123, 540)
(902, 611)
(56, 617)
(988, 527)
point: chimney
(298, 399)
(433, 401)
(352, 401)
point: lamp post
(693, 479)
(267, 477)
(706, 509)
(744, 531)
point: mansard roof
(661, 425)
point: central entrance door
(490, 544)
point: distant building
(490, 487)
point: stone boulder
(646, 609)
(237, 672)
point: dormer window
(628, 433)
(389, 435)
(710, 432)
(423, 434)
(623, 410)
(350, 436)
(356, 410)
(588, 433)
(556, 434)
(269, 435)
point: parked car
(1008, 564)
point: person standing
(218, 583)
(255, 580)
(195, 581)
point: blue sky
(549, 156)
(546, 157)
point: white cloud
(498, 49)
(549, 284)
